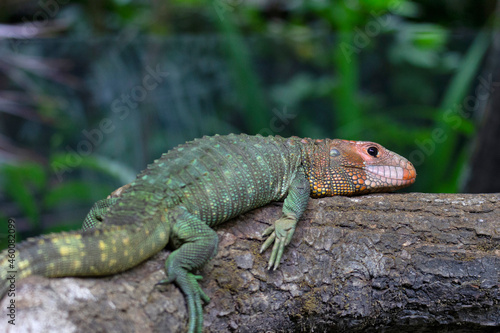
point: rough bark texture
(388, 262)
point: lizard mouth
(395, 175)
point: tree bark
(387, 262)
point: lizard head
(357, 167)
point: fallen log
(385, 262)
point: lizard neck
(325, 179)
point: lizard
(192, 188)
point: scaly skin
(196, 186)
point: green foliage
(448, 163)
(35, 190)
(376, 70)
(78, 191)
(21, 183)
(98, 164)
(245, 79)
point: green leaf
(77, 191)
(22, 183)
(429, 36)
(67, 162)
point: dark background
(93, 91)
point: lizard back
(214, 178)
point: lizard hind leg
(96, 214)
(197, 244)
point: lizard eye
(334, 152)
(373, 151)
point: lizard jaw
(395, 175)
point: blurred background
(93, 91)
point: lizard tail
(100, 251)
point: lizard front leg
(282, 231)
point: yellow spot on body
(125, 253)
(104, 257)
(126, 241)
(102, 245)
(64, 250)
(25, 273)
(141, 252)
(68, 241)
(23, 264)
(112, 262)
(114, 249)
(77, 264)
(162, 235)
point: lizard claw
(188, 283)
(268, 231)
(270, 240)
(281, 235)
(200, 291)
(203, 296)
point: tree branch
(393, 262)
